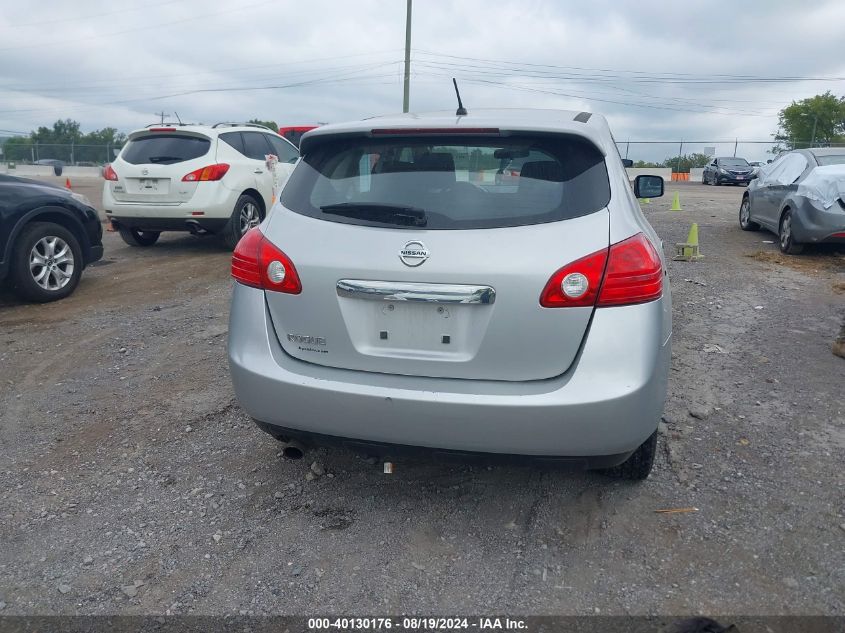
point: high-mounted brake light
(258, 263)
(415, 131)
(162, 129)
(211, 172)
(109, 173)
(627, 273)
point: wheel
(46, 262)
(638, 465)
(247, 215)
(745, 222)
(786, 240)
(137, 237)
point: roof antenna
(177, 117)
(462, 111)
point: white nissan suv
(207, 179)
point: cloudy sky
(657, 70)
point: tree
(64, 141)
(682, 164)
(645, 163)
(818, 120)
(271, 124)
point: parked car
(55, 163)
(294, 133)
(799, 197)
(402, 300)
(730, 170)
(206, 179)
(48, 235)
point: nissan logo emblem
(413, 253)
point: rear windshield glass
(165, 149)
(453, 182)
(831, 159)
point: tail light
(211, 172)
(109, 173)
(634, 273)
(576, 284)
(258, 263)
(627, 273)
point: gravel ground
(132, 483)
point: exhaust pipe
(195, 228)
(293, 450)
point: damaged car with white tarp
(800, 197)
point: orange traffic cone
(109, 226)
(67, 183)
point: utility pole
(736, 142)
(407, 89)
(627, 147)
(815, 123)
(161, 114)
(680, 153)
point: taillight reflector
(258, 263)
(210, 172)
(628, 273)
(109, 173)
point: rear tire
(786, 238)
(745, 222)
(638, 466)
(46, 263)
(246, 215)
(137, 237)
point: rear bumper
(733, 180)
(152, 223)
(814, 224)
(214, 202)
(607, 403)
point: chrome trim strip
(404, 291)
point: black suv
(48, 235)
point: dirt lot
(131, 482)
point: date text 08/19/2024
(417, 624)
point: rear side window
(456, 182)
(234, 140)
(165, 149)
(255, 145)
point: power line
(157, 25)
(77, 18)
(714, 78)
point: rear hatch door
(152, 164)
(454, 296)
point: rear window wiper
(379, 212)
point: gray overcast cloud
(658, 71)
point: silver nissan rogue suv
(402, 296)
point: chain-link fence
(27, 152)
(682, 155)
